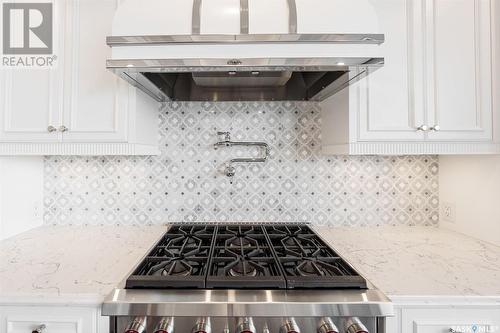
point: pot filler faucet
(230, 170)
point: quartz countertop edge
(458, 268)
(69, 265)
(52, 265)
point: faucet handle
(226, 135)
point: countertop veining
(71, 264)
(82, 264)
(420, 261)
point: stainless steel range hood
(263, 79)
(238, 67)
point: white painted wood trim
(410, 148)
(86, 149)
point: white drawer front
(26, 319)
(463, 320)
(72, 325)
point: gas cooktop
(243, 257)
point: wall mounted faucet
(230, 170)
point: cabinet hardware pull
(423, 128)
(39, 329)
(63, 129)
(435, 128)
(51, 129)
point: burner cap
(176, 268)
(308, 268)
(242, 268)
(240, 241)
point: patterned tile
(186, 183)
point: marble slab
(82, 264)
(420, 261)
(70, 264)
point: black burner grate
(243, 256)
(180, 259)
(308, 262)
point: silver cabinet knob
(435, 128)
(63, 129)
(51, 129)
(39, 329)
(423, 128)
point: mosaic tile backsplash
(186, 182)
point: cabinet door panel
(431, 320)
(388, 99)
(29, 103)
(459, 68)
(91, 112)
(22, 319)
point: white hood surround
(324, 44)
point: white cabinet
(22, 319)
(92, 111)
(76, 107)
(434, 94)
(428, 320)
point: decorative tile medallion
(297, 184)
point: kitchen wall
(186, 183)
(470, 186)
(21, 194)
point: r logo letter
(27, 28)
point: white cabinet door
(22, 319)
(91, 111)
(388, 100)
(29, 104)
(459, 70)
(442, 320)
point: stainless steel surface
(51, 129)
(326, 325)
(193, 65)
(230, 171)
(202, 325)
(245, 325)
(137, 325)
(244, 20)
(196, 18)
(247, 303)
(196, 38)
(289, 326)
(40, 329)
(165, 325)
(292, 17)
(63, 129)
(354, 325)
(166, 79)
(242, 79)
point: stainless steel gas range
(245, 279)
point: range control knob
(245, 325)
(202, 326)
(354, 325)
(165, 325)
(326, 325)
(289, 326)
(137, 325)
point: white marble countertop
(56, 264)
(420, 262)
(81, 265)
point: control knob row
(246, 325)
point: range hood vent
(223, 66)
